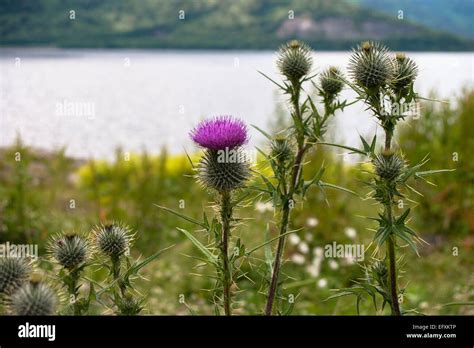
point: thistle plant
(71, 252)
(289, 147)
(113, 241)
(384, 82)
(222, 170)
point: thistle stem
(116, 273)
(297, 168)
(391, 246)
(226, 215)
(73, 290)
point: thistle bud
(371, 66)
(405, 72)
(380, 272)
(129, 305)
(112, 239)
(281, 150)
(330, 81)
(388, 165)
(294, 60)
(222, 174)
(34, 298)
(69, 250)
(13, 273)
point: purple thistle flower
(220, 132)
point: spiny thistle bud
(69, 250)
(221, 174)
(388, 165)
(34, 298)
(112, 239)
(129, 305)
(281, 150)
(294, 60)
(13, 273)
(380, 272)
(406, 71)
(370, 65)
(330, 81)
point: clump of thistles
(223, 167)
(69, 250)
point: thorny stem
(296, 173)
(391, 247)
(226, 215)
(116, 273)
(73, 290)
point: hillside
(249, 24)
(455, 16)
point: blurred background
(98, 97)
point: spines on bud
(129, 305)
(294, 60)
(282, 151)
(371, 66)
(223, 172)
(405, 73)
(331, 82)
(34, 298)
(69, 250)
(388, 165)
(112, 239)
(14, 271)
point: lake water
(92, 101)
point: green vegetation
(247, 24)
(36, 194)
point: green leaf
(184, 217)
(431, 172)
(316, 179)
(139, 265)
(276, 83)
(269, 241)
(325, 184)
(210, 257)
(352, 149)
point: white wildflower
(298, 259)
(303, 247)
(294, 239)
(350, 232)
(333, 264)
(322, 283)
(312, 222)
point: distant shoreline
(5, 48)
